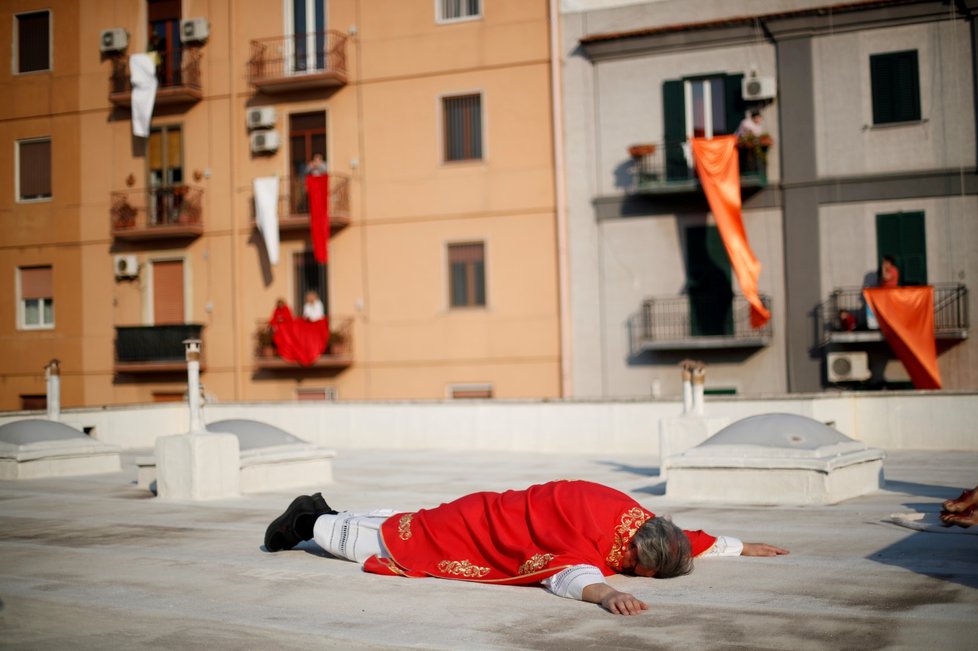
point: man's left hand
(762, 549)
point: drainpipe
(560, 200)
(192, 347)
(52, 373)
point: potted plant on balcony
(123, 214)
(642, 149)
(338, 343)
(266, 341)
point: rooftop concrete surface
(95, 562)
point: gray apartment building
(867, 148)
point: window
(168, 293)
(34, 169)
(36, 297)
(896, 87)
(307, 137)
(470, 391)
(697, 107)
(33, 47)
(33, 401)
(310, 276)
(463, 127)
(902, 235)
(453, 10)
(164, 39)
(467, 274)
(308, 34)
(328, 394)
(165, 174)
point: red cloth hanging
(906, 319)
(298, 340)
(317, 192)
(719, 173)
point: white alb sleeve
(570, 583)
(725, 546)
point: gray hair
(663, 547)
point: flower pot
(637, 151)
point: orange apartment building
(434, 118)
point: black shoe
(295, 525)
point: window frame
(440, 18)
(470, 302)
(149, 293)
(443, 127)
(15, 54)
(22, 303)
(915, 113)
(469, 387)
(17, 144)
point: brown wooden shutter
(163, 10)
(33, 41)
(36, 282)
(35, 169)
(168, 292)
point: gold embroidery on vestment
(536, 562)
(631, 520)
(404, 526)
(463, 568)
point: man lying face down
(565, 535)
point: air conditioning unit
(262, 117)
(114, 40)
(757, 88)
(849, 366)
(126, 266)
(193, 30)
(264, 141)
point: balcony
(665, 168)
(697, 323)
(293, 207)
(153, 349)
(178, 75)
(288, 63)
(950, 315)
(158, 213)
(338, 355)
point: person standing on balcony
(317, 166)
(750, 126)
(313, 309)
(889, 274)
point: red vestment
(298, 340)
(519, 536)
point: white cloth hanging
(266, 213)
(142, 75)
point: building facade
(866, 148)
(434, 122)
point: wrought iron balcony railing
(667, 168)
(153, 349)
(338, 355)
(697, 322)
(293, 205)
(177, 73)
(167, 212)
(285, 63)
(843, 318)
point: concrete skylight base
(32, 449)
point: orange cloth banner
(906, 318)
(719, 172)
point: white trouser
(353, 536)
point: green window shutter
(734, 104)
(895, 83)
(903, 236)
(674, 129)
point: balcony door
(307, 27)
(697, 107)
(307, 137)
(164, 39)
(165, 174)
(168, 294)
(310, 276)
(903, 236)
(708, 283)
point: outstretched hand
(762, 549)
(619, 603)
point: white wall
(892, 421)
